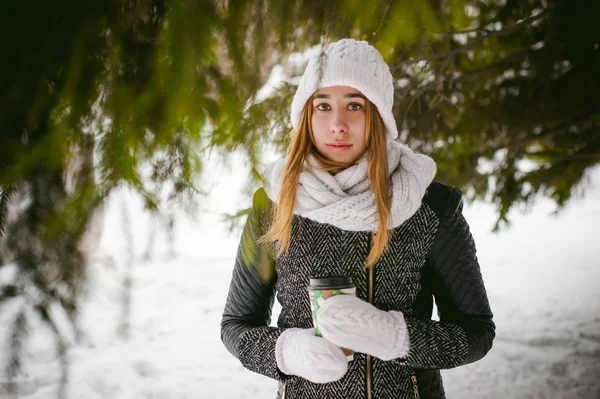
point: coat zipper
(415, 386)
(369, 360)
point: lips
(339, 146)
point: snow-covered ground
(541, 274)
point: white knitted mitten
(299, 352)
(352, 323)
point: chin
(348, 161)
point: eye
(354, 107)
(323, 107)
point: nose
(338, 123)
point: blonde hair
(301, 146)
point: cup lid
(330, 282)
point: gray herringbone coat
(431, 255)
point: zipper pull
(415, 386)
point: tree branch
(500, 32)
(486, 33)
(561, 156)
(520, 143)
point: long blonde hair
(301, 146)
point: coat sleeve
(465, 331)
(245, 329)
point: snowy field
(541, 274)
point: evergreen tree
(94, 95)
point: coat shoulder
(262, 209)
(261, 200)
(443, 199)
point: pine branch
(500, 32)
(469, 46)
(520, 144)
(561, 156)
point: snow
(541, 275)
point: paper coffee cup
(321, 288)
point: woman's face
(339, 123)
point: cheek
(318, 120)
(359, 123)
(319, 126)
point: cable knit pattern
(353, 63)
(347, 201)
(299, 352)
(355, 324)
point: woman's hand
(299, 352)
(352, 323)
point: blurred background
(132, 134)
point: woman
(349, 200)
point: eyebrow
(347, 95)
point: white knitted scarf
(347, 201)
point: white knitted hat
(353, 63)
